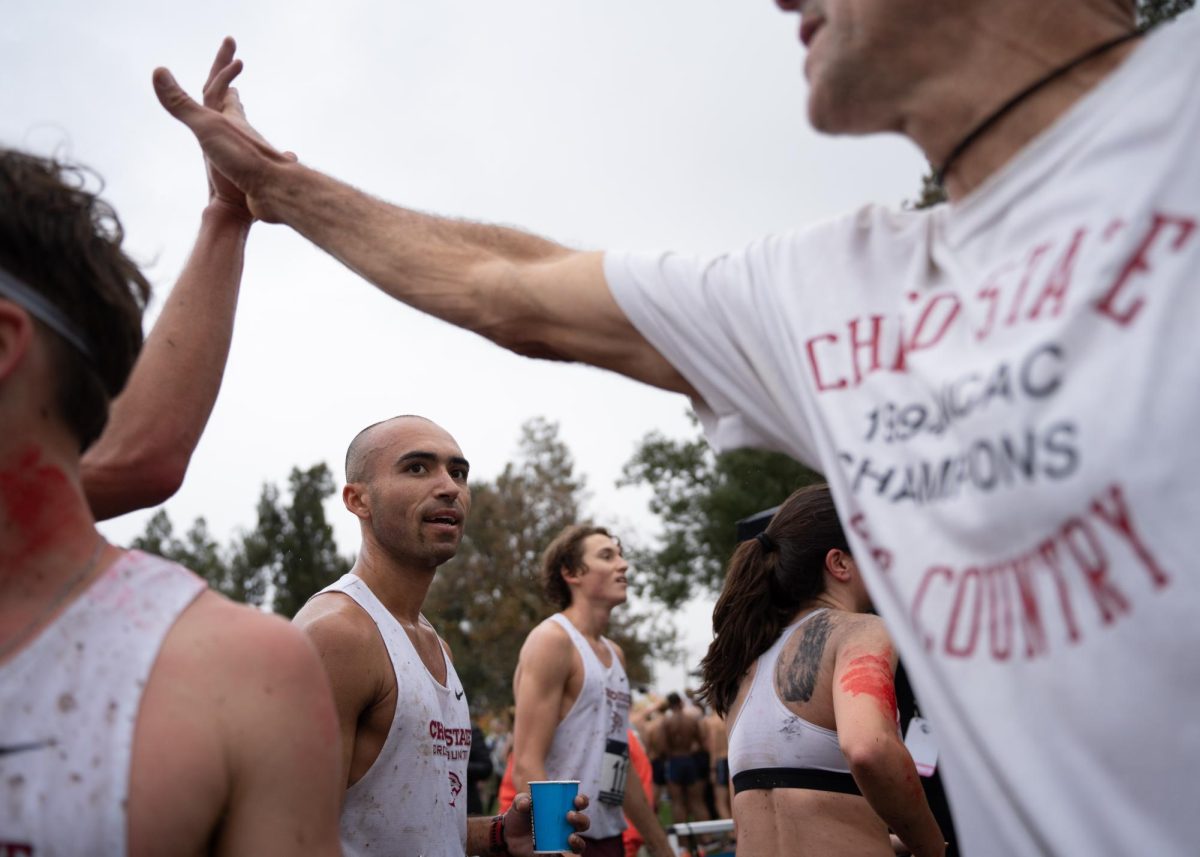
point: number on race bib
(614, 769)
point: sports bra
(770, 747)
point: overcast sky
(631, 124)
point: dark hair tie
(768, 543)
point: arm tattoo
(797, 680)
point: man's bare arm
(525, 293)
(156, 422)
(539, 684)
(348, 650)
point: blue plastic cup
(552, 800)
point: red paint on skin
(37, 500)
(872, 675)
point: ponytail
(767, 580)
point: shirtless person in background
(681, 739)
(716, 741)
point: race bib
(922, 746)
(614, 769)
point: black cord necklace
(939, 174)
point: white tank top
(411, 801)
(766, 734)
(68, 707)
(591, 742)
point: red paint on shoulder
(36, 499)
(872, 675)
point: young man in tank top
(405, 728)
(139, 712)
(572, 695)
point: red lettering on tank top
(872, 675)
(15, 849)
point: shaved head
(360, 455)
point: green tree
(198, 551)
(487, 599)
(293, 545)
(1154, 11)
(289, 555)
(699, 497)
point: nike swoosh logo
(458, 694)
(13, 749)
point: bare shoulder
(227, 679)
(547, 656)
(335, 622)
(351, 649)
(547, 638)
(858, 632)
(226, 641)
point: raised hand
(237, 156)
(216, 93)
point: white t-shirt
(410, 802)
(69, 703)
(1004, 394)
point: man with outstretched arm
(405, 728)
(572, 695)
(999, 390)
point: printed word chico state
(1032, 289)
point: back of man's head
(565, 553)
(61, 261)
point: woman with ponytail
(803, 673)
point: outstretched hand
(236, 156)
(216, 93)
(518, 825)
